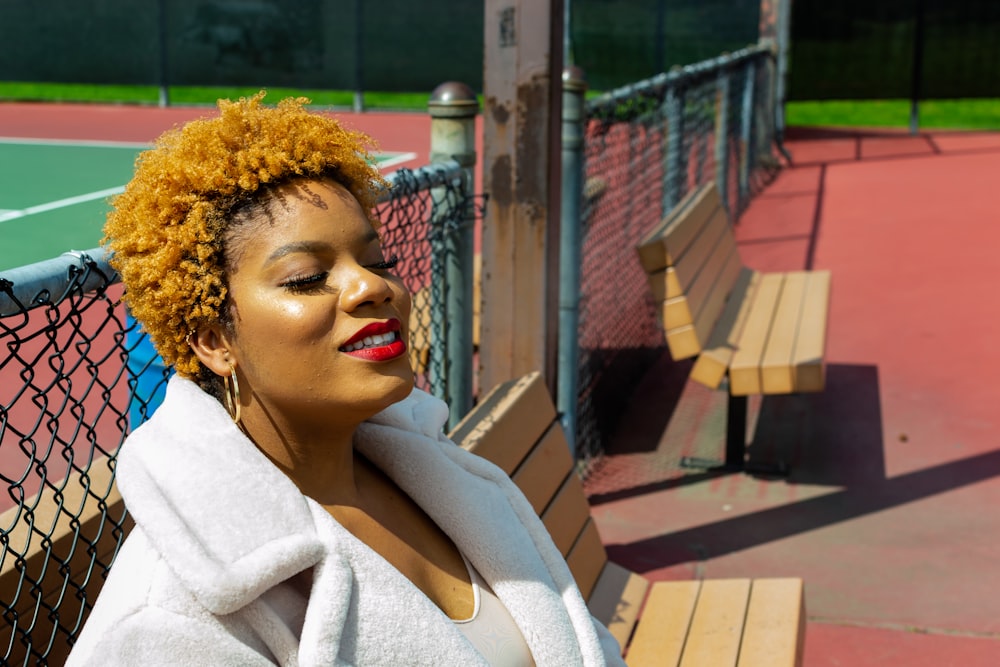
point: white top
(491, 629)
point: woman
(294, 498)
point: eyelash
(385, 265)
(305, 282)
(315, 279)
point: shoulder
(143, 612)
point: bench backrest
(693, 264)
(515, 427)
(752, 623)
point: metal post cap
(574, 78)
(453, 99)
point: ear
(211, 345)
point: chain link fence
(646, 145)
(76, 377)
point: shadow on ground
(833, 438)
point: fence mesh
(75, 379)
(646, 146)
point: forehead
(303, 209)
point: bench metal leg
(736, 448)
(736, 432)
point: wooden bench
(711, 623)
(752, 332)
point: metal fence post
(573, 118)
(674, 167)
(722, 138)
(748, 157)
(453, 107)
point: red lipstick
(379, 341)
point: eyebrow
(299, 246)
(313, 247)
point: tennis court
(55, 193)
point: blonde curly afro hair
(171, 230)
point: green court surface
(54, 194)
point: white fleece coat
(202, 579)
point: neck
(319, 459)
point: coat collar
(228, 522)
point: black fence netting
(76, 375)
(857, 49)
(379, 45)
(646, 146)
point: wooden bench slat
(567, 514)
(586, 558)
(717, 624)
(774, 633)
(616, 600)
(744, 370)
(776, 374)
(517, 412)
(667, 242)
(545, 469)
(713, 363)
(714, 240)
(666, 617)
(712, 306)
(689, 340)
(713, 273)
(664, 284)
(683, 342)
(724, 260)
(811, 345)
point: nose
(363, 287)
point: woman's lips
(379, 341)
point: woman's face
(320, 325)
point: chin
(403, 387)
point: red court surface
(394, 132)
(891, 513)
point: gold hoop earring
(233, 394)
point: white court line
(396, 159)
(60, 203)
(6, 215)
(87, 143)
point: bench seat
(753, 333)
(713, 623)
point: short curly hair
(169, 232)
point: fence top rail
(44, 282)
(677, 77)
(33, 285)
(405, 182)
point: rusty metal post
(574, 117)
(453, 107)
(521, 177)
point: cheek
(404, 302)
(279, 321)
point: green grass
(970, 114)
(192, 95)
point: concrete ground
(891, 513)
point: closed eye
(385, 265)
(300, 283)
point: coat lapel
(486, 518)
